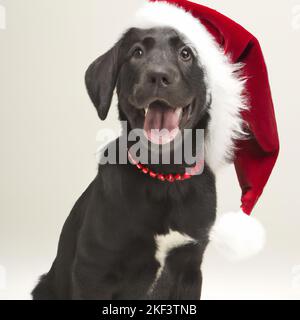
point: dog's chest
(158, 208)
(150, 220)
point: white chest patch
(165, 244)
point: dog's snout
(161, 78)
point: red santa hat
(237, 79)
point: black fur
(107, 246)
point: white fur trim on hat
(223, 81)
(237, 235)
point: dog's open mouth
(163, 122)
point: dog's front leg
(181, 278)
(94, 275)
(92, 281)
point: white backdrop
(48, 129)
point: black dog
(130, 236)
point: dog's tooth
(179, 112)
(146, 110)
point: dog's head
(159, 81)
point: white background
(48, 129)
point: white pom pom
(237, 235)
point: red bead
(178, 177)
(145, 170)
(152, 174)
(161, 177)
(139, 166)
(170, 178)
(186, 176)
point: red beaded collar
(167, 177)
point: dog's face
(160, 84)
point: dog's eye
(138, 53)
(186, 54)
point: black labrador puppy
(130, 236)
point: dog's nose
(161, 78)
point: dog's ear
(101, 78)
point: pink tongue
(161, 124)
